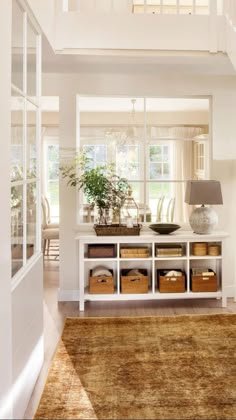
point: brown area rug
(181, 367)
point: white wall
(5, 220)
(44, 11)
(27, 335)
(122, 31)
(156, 85)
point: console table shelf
(152, 264)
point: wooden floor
(56, 312)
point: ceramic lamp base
(203, 220)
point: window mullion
(24, 138)
(38, 142)
(145, 157)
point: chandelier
(124, 135)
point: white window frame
(27, 98)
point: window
(24, 139)
(96, 153)
(151, 142)
(160, 162)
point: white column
(68, 276)
(5, 219)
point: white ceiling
(139, 61)
(158, 62)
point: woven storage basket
(204, 282)
(101, 284)
(132, 252)
(117, 230)
(199, 248)
(101, 251)
(134, 284)
(214, 250)
(171, 284)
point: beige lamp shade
(203, 192)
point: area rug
(180, 367)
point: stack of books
(169, 251)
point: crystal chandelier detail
(124, 135)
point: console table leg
(81, 277)
(81, 306)
(224, 301)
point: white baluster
(145, 6)
(177, 7)
(161, 7)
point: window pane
(96, 153)
(166, 202)
(127, 161)
(31, 140)
(160, 161)
(17, 104)
(17, 45)
(31, 218)
(16, 228)
(31, 61)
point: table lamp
(203, 219)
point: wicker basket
(199, 248)
(101, 284)
(134, 284)
(117, 230)
(204, 282)
(134, 252)
(101, 251)
(214, 250)
(171, 284)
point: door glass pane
(17, 45)
(17, 104)
(31, 140)
(31, 218)
(31, 61)
(16, 228)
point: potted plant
(102, 187)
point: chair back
(170, 210)
(159, 208)
(45, 212)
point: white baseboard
(230, 291)
(67, 295)
(73, 295)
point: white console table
(152, 263)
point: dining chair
(170, 210)
(160, 208)
(50, 231)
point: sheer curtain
(183, 164)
